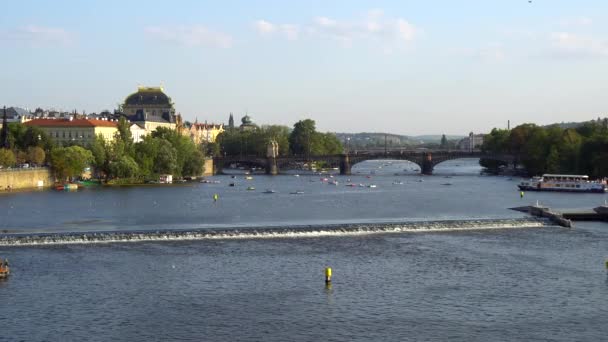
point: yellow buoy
(521, 194)
(215, 197)
(328, 275)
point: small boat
(68, 186)
(250, 188)
(333, 182)
(248, 178)
(446, 184)
(269, 191)
(371, 186)
(206, 181)
(397, 183)
(351, 184)
(232, 184)
(420, 180)
(5, 271)
(299, 192)
(296, 175)
(233, 177)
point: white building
(472, 142)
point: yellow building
(150, 108)
(201, 133)
(78, 131)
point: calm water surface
(543, 284)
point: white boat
(371, 186)
(569, 183)
(297, 192)
(269, 191)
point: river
(415, 258)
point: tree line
(552, 149)
(120, 160)
(303, 139)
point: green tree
(302, 137)
(36, 155)
(193, 166)
(146, 152)
(7, 158)
(68, 162)
(553, 160)
(124, 167)
(101, 156)
(166, 159)
(125, 136)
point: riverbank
(25, 179)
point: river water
(415, 258)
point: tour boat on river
(571, 183)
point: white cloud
(571, 44)
(266, 28)
(190, 36)
(37, 35)
(374, 26)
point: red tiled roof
(70, 123)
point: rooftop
(70, 123)
(148, 96)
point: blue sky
(407, 67)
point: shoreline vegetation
(120, 161)
(552, 149)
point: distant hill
(365, 139)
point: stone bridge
(426, 160)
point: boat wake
(303, 231)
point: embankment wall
(25, 178)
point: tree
(124, 167)
(7, 158)
(36, 155)
(101, 159)
(68, 162)
(193, 165)
(125, 136)
(166, 159)
(553, 160)
(302, 137)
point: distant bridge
(426, 159)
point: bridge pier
(345, 167)
(271, 166)
(426, 167)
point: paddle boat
(250, 188)
(5, 271)
(269, 191)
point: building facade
(472, 142)
(203, 132)
(76, 131)
(150, 108)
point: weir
(300, 231)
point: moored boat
(5, 271)
(567, 183)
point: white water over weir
(266, 232)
